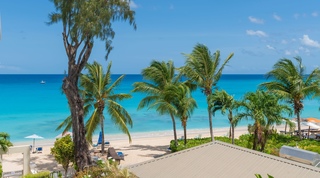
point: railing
(12, 174)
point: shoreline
(137, 135)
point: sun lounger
(120, 154)
(39, 149)
(114, 155)
(100, 141)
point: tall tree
(158, 76)
(293, 85)
(221, 100)
(99, 94)
(205, 70)
(83, 22)
(180, 96)
(265, 110)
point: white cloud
(133, 5)
(284, 42)
(315, 14)
(296, 51)
(257, 33)
(309, 42)
(296, 16)
(270, 47)
(278, 18)
(286, 52)
(255, 20)
(14, 68)
(306, 50)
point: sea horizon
(29, 107)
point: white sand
(144, 146)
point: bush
(274, 143)
(1, 170)
(44, 174)
(63, 152)
(190, 143)
(105, 169)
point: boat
(43, 82)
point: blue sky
(258, 32)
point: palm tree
(159, 75)
(221, 100)
(180, 96)
(265, 110)
(98, 93)
(291, 83)
(4, 142)
(204, 69)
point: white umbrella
(311, 124)
(34, 136)
(65, 134)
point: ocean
(29, 107)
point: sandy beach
(144, 146)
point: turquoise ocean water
(28, 107)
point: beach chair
(107, 143)
(39, 149)
(120, 154)
(114, 155)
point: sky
(258, 32)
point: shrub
(105, 169)
(274, 143)
(190, 143)
(0, 170)
(44, 174)
(63, 151)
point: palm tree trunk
(210, 123)
(174, 130)
(232, 133)
(231, 130)
(70, 88)
(102, 133)
(184, 124)
(299, 126)
(285, 128)
(263, 143)
(255, 137)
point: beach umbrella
(64, 134)
(312, 119)
(311, 125)
(34, 137)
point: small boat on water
(43, 82)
